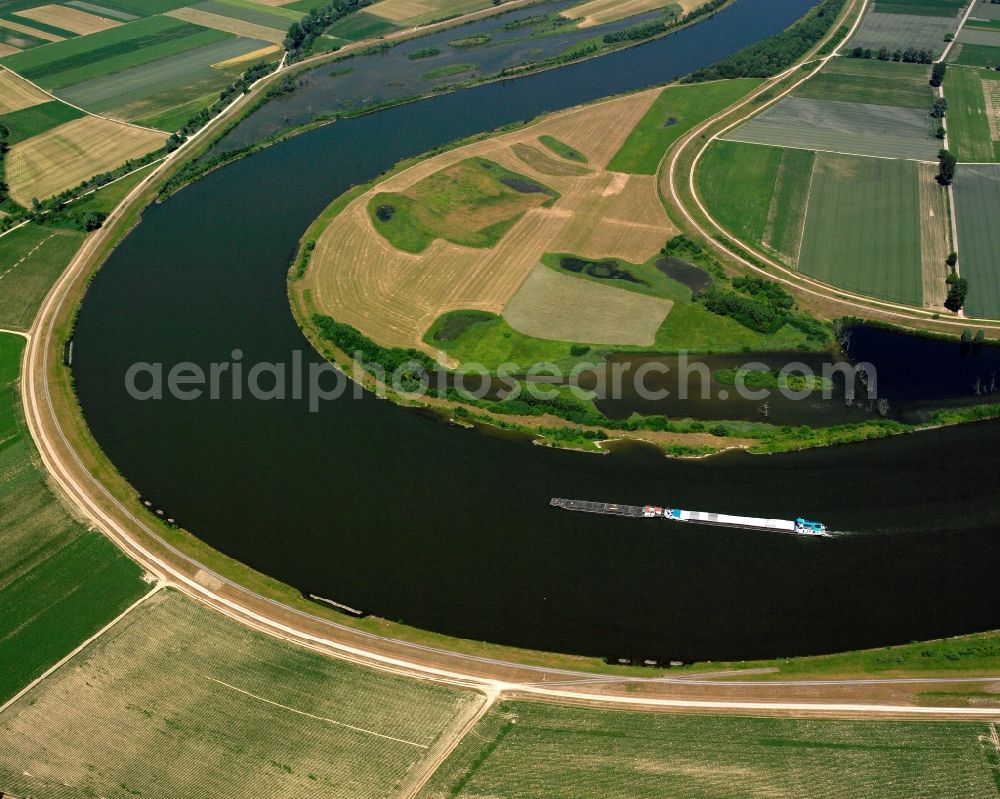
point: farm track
(61, 438)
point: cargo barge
(799, 526)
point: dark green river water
(390, 511)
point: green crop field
(31, 258)
(521, 750)
(862, 227)
(361, 25)
(256, 13)
(968, 125)
(177, 700)
(975, 55)
(58, 582)
(945, 8)
(675, 111)
(977, 199)
(65, 63)
(736, 181)
(758, 193)
(563, 150)
(851, 128)
(868, 80)
(903, 30)
(31, 121)
(150, 89)
(474, 203)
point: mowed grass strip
(674, 112)
(561, 307)
(862, 228)
(64, 156)
(875, 82)
(66, 63)
(361, 25)
(977, 206)
(967, 121)
(787, 213)
(473, 203)
(58, 582)
(28, 122)
(523, 749)
(177, 700)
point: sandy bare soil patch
(17, 93)
(228, 24)
(357, 277)
(563, 308)
(64, 156)
(253, 55)
(69, 19)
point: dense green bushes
(356, 344)
(303, 33)
(772, 55)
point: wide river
(387, 510)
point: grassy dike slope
(59, 583)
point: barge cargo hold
(799, 526)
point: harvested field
(17, 93)
(69, 19)
(6, 49)
(177, 700)
(900, 31)
(598, 12)
(546, 164)
(848, 128)
(862, 227)
(420, 12)
(34, 33)
(871, 81)
(562, 308)
(357, 277)
(525, 749)
(977, 206)
(935, 236)
(239, 60)
(968, 123)
(71, 153)
(237, 27)
(146, 90)
(144, 41)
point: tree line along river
(388, 510)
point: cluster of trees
(766, 290)
(937, 73)
(303, 33)
(770, 56)
(350, 340)
(650, 29)
(908, 56)
(756, 313)
(4, 148)
(958, 289)
(946, 167)
(240, 86)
